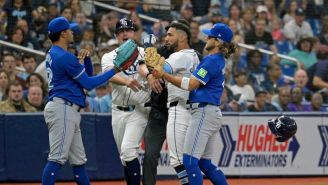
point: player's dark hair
(183, 25)
(54, 36)
(227, 49)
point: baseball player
(181, 63)
(206, 85)
(67, 78)
(129, 104)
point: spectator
(234, 14)
(18, 37)
(290, 14)
(67, 12)
(81, 20)
(186, 12)
(318, 78)
(88, 45)
(196, 43)
(16, 9)
(274, 79)
(29, 63)
(283, 99)
(4, 79)
(35, 79)
(272, 13)
(35, 98)
(75, 6)
(15, 101)
(298, 28)
(262, 13)
(276, 33)
(297, 103)
(316, 102)
(242, 87)
(301, 79)
(323, 36)
(52, 11)
(303, 53)
(225, 107)
(260, 104)
(39, 25)
(9, 65)
(247, 17)
(29, 34)
(105, 102)
(139, 33)
(259, 37)
(254, 69)
(104, 26)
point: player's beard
(209, 47)
(172, 47)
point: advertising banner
(247, 147)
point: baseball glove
(154, 62)
(127, 54)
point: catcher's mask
(283, 128)
(124, 23)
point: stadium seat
(284, 46)
(315, 25)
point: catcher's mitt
(154, 62)
(127, 54)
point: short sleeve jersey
(62, 69)
(121, 94)
(182, 63)
(210, 73)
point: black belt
(126, 108)
(173, 104)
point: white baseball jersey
(121, 94)
(182, 63)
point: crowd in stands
(255, 81)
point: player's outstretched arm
(84, 57)
(92, 82)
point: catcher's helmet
(283, 128)
(124, 23)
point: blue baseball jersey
(63, 68)
(210, 72)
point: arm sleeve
(91, 82)
(88, 66)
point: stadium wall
(247, 147)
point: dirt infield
(231, 181)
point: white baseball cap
(261, 8)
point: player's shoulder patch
(202, 72)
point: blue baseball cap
(220, 31)
(59, 24)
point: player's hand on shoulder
(83, 53)
(133, 84)
(154, 84)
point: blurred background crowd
(258, 78)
